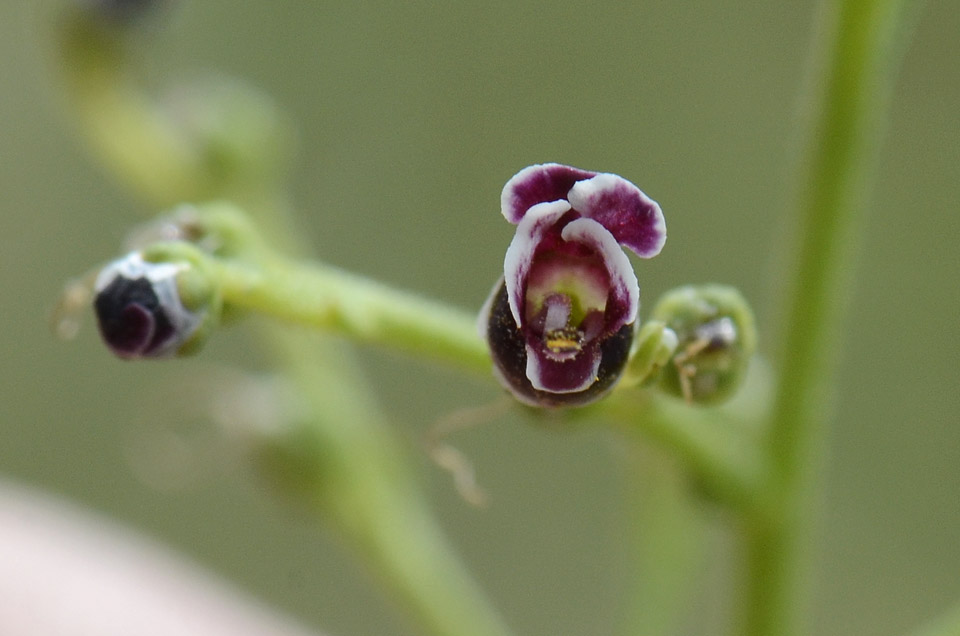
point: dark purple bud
(140, 310)
(132, 322)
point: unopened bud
(716, 337)
(151, 309)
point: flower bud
(151, 309)
(240, 134)
(716, 337)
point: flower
(151, 309)
(561, 321)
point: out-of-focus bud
(150, 308)
(716, 337)
(240, 134)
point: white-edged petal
(624, 288)
(519, 256)
(571, 376)
(535, 184)
(633, 218)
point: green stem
(722, 458)
(854, 79)
(330, 299)
(668, 543)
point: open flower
(561, 322)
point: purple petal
(568, 376)
(130, 332)
(623, 298)
(633, 218)
(519, 257)
(538, 184)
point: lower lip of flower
(564, 301)
(508, 347)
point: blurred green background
(412, 116)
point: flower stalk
(330, 299)
(855, 69)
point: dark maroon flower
(561, 322)
(139, 308)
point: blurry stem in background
(344, 460)
(129, 132)
(946, 625)
(209, 138)
(668, 544)
(341, 454)
(364, 484)
(855, 50)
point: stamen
(564, 341)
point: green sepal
(654, 345)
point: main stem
(852, 85)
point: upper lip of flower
(569, 284)
(634, 219)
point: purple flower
(560, 324)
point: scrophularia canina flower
(561, 321)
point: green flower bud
(716, 336)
